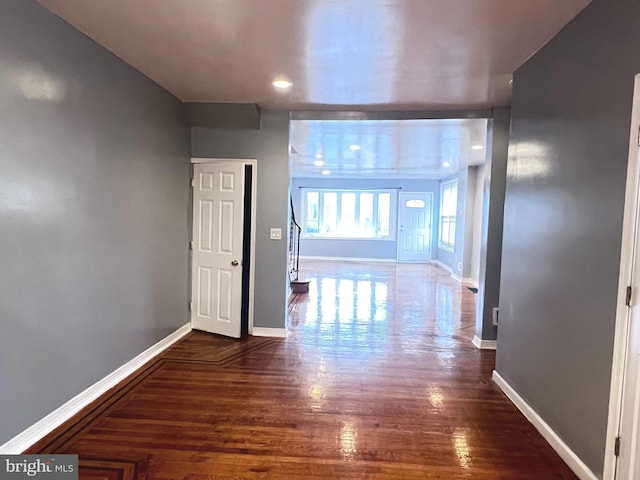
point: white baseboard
(350, 259)
(446, 267)
(442, 265)
(484, 344)
(470, 281)
(43, 427)
(269, 332)
(561, 448)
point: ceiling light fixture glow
(282, 84)
(477, 147)
(354, 147)
(326, 172)
(318, 155)
(446, 164)
(318, 163)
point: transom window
(448, 208)
(415, 203)
(348, 213)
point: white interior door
(622, 456)
(218, 211)
(629, 455)
(414, 227)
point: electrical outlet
(276, 234)
(494, 316)
(459, 266)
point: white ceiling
(426, 149)
(359, 54)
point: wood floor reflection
(377, 379)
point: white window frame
(442, 244)
(393, 206)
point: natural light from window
(358, 214)
(448, 208)
(415, 203)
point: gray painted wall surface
(383, 249)
(269, 146)
(468, 214)
(492, 222)
(93, 199)
(223, 115)
(477, 223)
(563, 222)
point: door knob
(235, 263)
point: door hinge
(616, 448)
(638, 139)
(190, 306)
(193, 182)
(191, 245)
(628, 299)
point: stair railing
(295, 231)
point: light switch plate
(276, 234)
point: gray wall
(468, 214)
(477, 223)
(223, 115)
(94, 192)
(269, 146)
(563, 221)
(492, 223)
(383, 249)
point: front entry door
(414, 227)
(216, 285)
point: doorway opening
(395, 192)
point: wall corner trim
(46, 425)
(569, 456)
(269, 332)
(484, 344)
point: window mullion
(376, 214)
(320, 211)
(339, 211)
(357, 213)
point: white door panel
(628, 467)
(414, 227)
(218, 200)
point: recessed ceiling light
(354, 147)
(318, 163)
(318, 155)
(326, 172)
(446, 164)
(282, 84)
(477, 147)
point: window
(448, 208)
(415, 203)
(348, 213)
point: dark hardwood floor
(377, 379)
